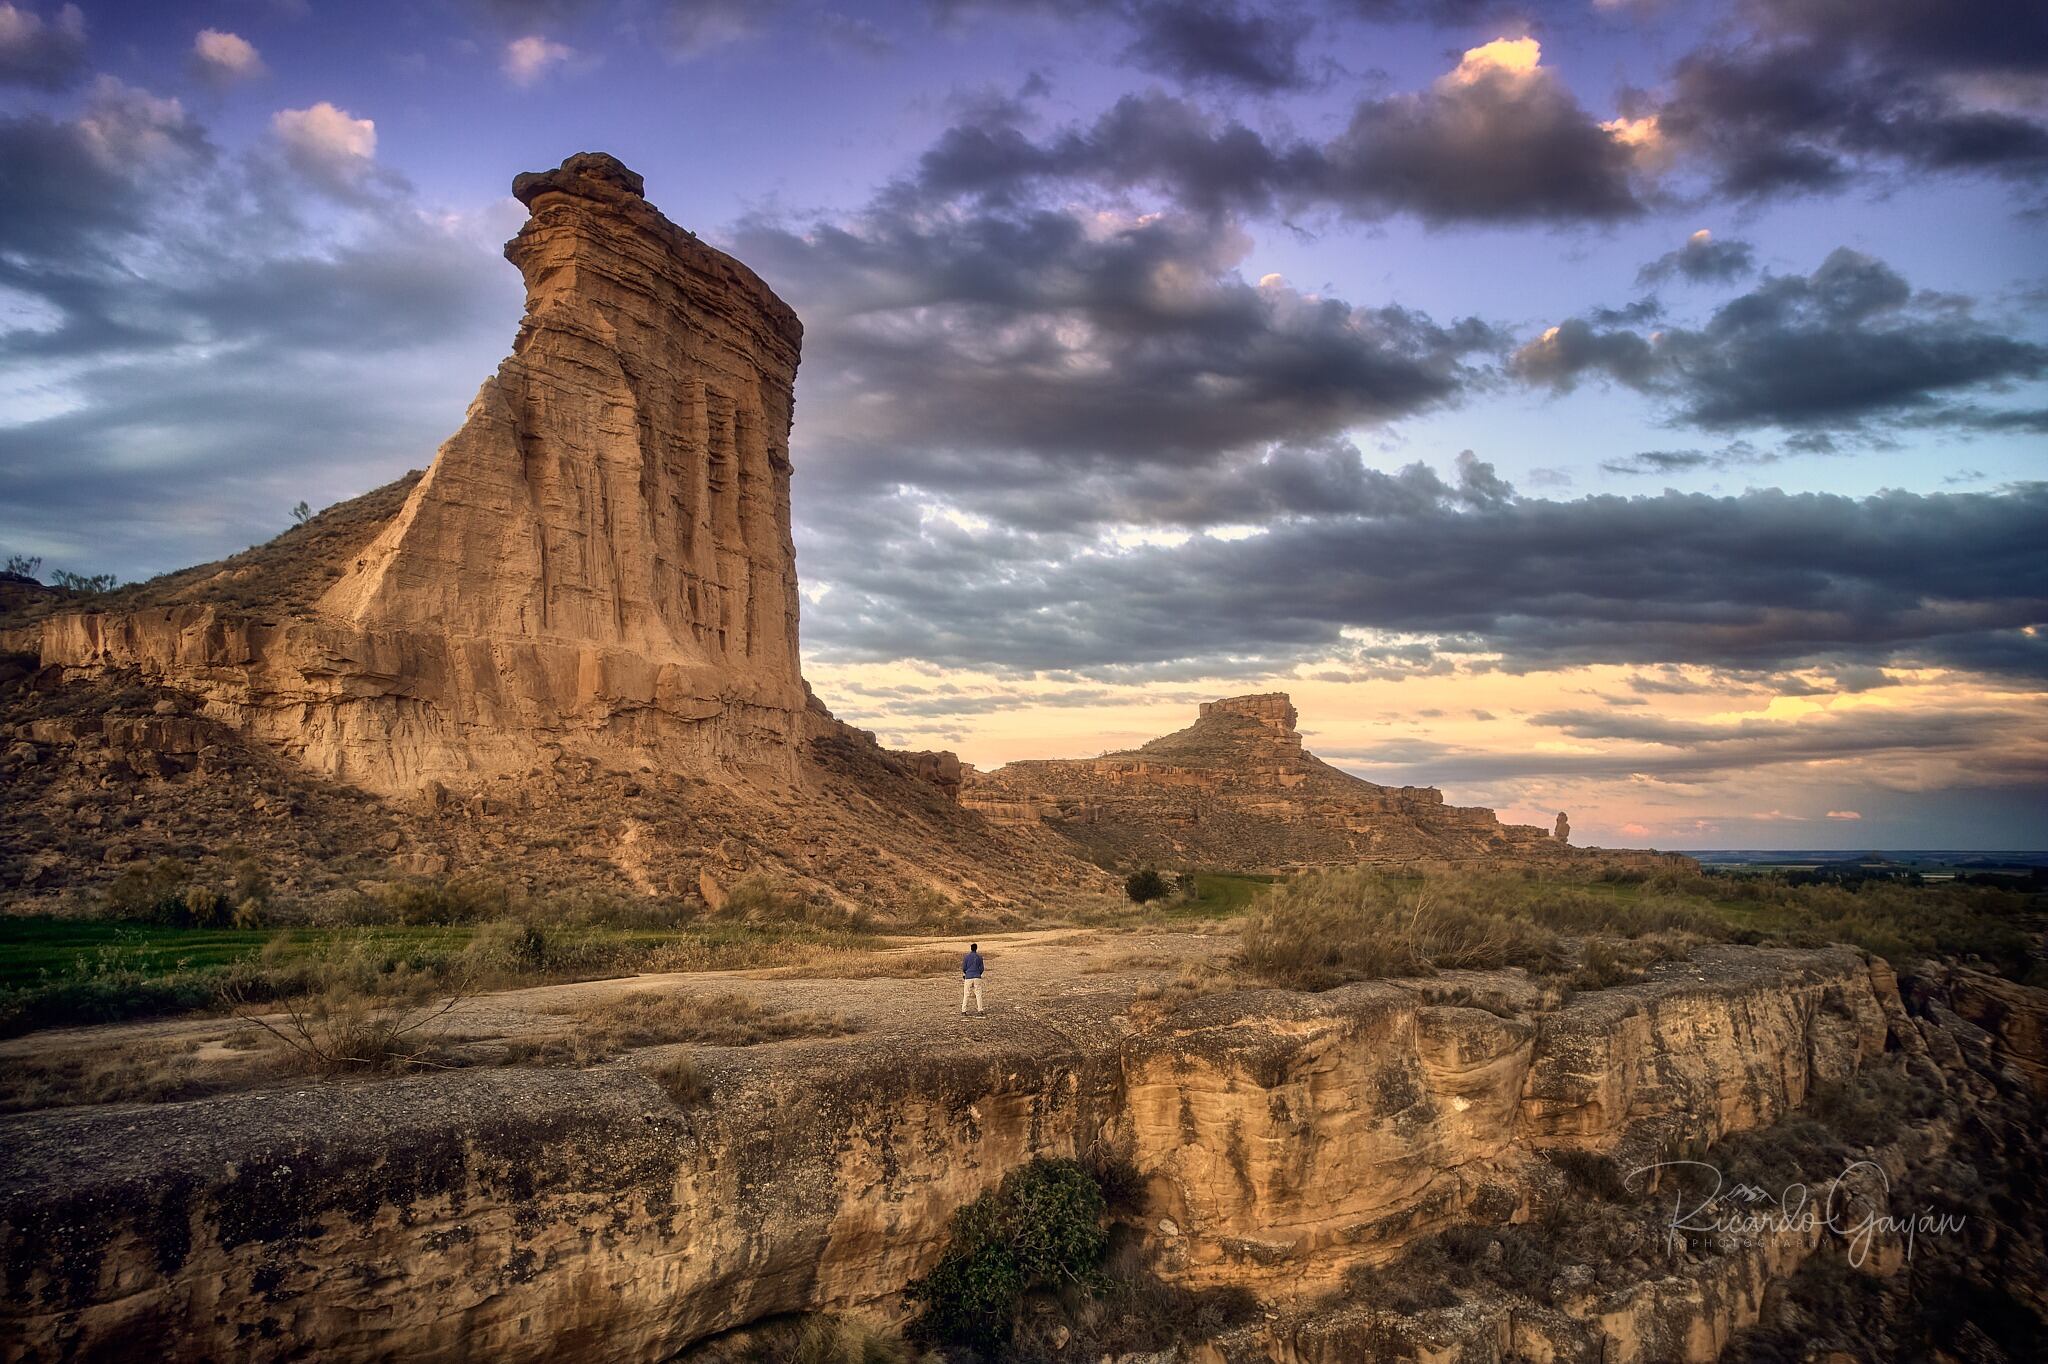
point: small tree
(24, 565)
(1146, 885)
(86, 585)
(301, 514)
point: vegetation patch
(1041, 1229)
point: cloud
(988, 348)
(1843, 814)
(47, 54)
(1498, 139)
(1824, 91)
(1995, 742)
(854, 34)
(1220, 42)
(687, 29)
(529, 58)
(1702, 260)
(199, 352)
(329, 146)
(225, 58)
(1849, 344)
(1766, 580)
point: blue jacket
(970, 966)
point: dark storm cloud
(1847, 344)
(1151, 140)
(1766, 580)
(1704, 259)
(201, 333)
(41, 48)
(1492, 142)
(1220, 42)
(987, 348)
(1823, 90)
(1955, 35)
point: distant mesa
(1237, 790)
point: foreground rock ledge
(527, 1215)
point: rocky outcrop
(1237, 790)
(598, 563)
(591, 590)
(1283, 1139)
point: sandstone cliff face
(598, 562)
(1238, 791)
(536, 1215)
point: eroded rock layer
(1237, 790)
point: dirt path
(910, 986)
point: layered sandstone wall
(599, 563)
(538, 1215)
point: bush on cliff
(1041, 1229)
(1147, 885)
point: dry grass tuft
(680, 1078)
(646, 1018)
(357, 1012)
(160, 1072)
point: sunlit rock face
(618, 499)
(1238, 790)
(600, 560)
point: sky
(1629, 407)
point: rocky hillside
(1237, 790)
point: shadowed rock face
(1238, 790)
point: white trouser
(970, 987)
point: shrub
(1325, 928)
(357, 1010)
(1040, 1229)
(1146, 885)
(460, 899)
(683, 1082)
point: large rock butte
(1237, 790)
(599, 560)
(587, 604)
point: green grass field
(1218, 895)
(33, 949)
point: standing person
(970, 978)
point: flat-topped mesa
(1237, 790)
(1273, 708)
(605, 544)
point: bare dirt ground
(909, 989)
